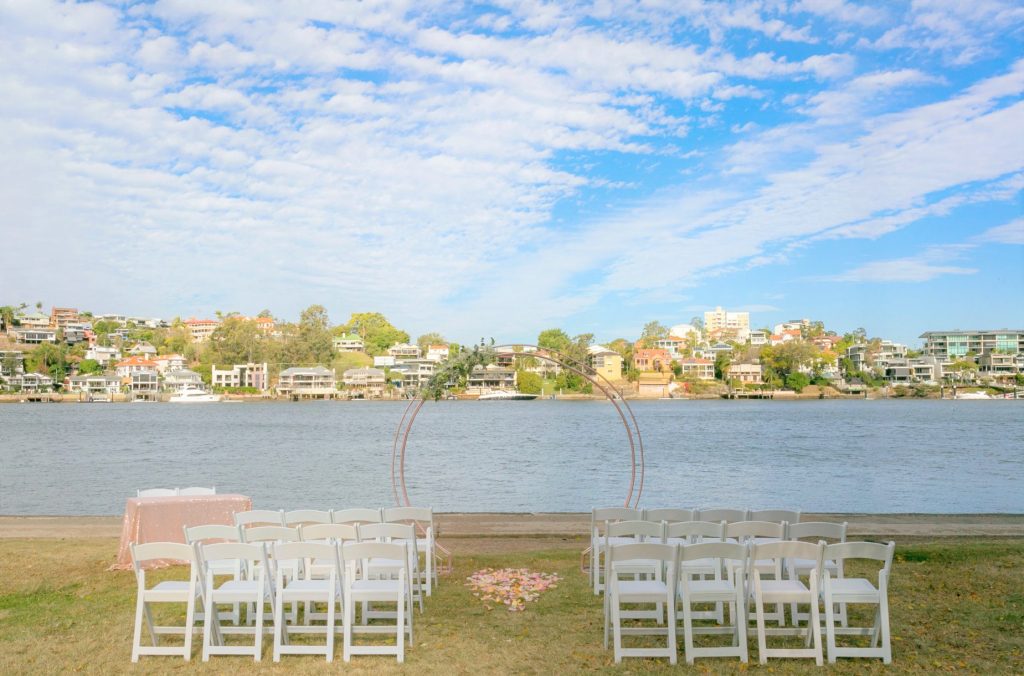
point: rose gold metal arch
(612, 393)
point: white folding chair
(790, 516)
(628, 532)
(358, 587)
(269, 535)
(156, 492)
(721, 514)
(859, 590)
(393, 532)
(167, 591)
(761, 532)
(260, 517)
(198, 490)
(668, 514)
(723, 588)
(696, 532)
(356, 515)
(814, 531)
(787, 590)
(255, 589)
(423, 519)
(599, 516)
(340, 534)
(309, 590)
(662, 593)
(299, 517)
(210, 534)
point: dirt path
(563, 525)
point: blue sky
(497, 169)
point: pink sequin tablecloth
(164, 519)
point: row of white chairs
(172, 492)
(421, 517)
(279, 573)
(668, 575)
(601, 515)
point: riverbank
(567, 525)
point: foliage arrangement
(512, 587)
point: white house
(242, 375)
(308, 381)
(170, 362)
(103, 355)
(348, 342)
(437, 353)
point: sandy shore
(565, 525)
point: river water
(832, 456)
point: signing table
(164, 519)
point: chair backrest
(342, 532)
(747, 530)
(817, 530)
(670, 514)
(307, 551)
(862, 550)
(419, 514)
(300, 516)
(787, 549)
(156, 492)
(150, 551)
(356, 515)
(777, 515)
(636, 529)
(643, 550)
(396, 551)
(270, 534)
(726, 551)
(213, 531)
(696, 531)
(599, 515)
(386, 532)
(253, 552)
(727, 515)
(266, 517)
(198, 490)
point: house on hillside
(348, 342)
(369, 383)
(651, 359)
(313, 382)
(702, 369)
(252, 375)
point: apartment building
(952, 345)
(721, 324)
(307, 381)
(201, 329)
(252, 375)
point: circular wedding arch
(610, 391)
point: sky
(493, 170)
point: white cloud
(1007, 233)
(920, 268)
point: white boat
(190, 395)
(506, 395)
(972, 395)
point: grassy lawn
(957, 606)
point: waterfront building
(383, 360)
(132, 365)
(607, 363)
(33, 336)
(653, 385)
(404, 351)
(758, 338)
(721, 324)
(34, 320)
(77, 332)
(951, 345)
(178, 379)
(95, 385)
(169, 362)
(999, 364)
(144, 382)
(483, 379)
(702, 369)
(866, 356)
(651, 359)
(926, 370)
(241, 375)
(438, 353)
(307, 381)
(368, 382)
(670, 344)
(103, 355)
(30, 382)
(60, 317)
(12, 363)
(348, 342)
(746, 373)
(201, 329)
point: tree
(265, 314)
(722, 362)
(235, 341)
(377, 332)
(49, 359)
(315, 334)
(529, 382)
(88, 366)
(797, 381)
(6, 317)
(350, 360)
(554, 339)
(653, 331)
(427, 339)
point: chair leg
(258, 648)
(400, 626)
(816, 627)
(762, 643)
(830, 624)
(332, 602)
(137, 637)
(612, 589)
(278, 626)
(190, 620)
(741, 623)
(883, 611)
(349, 610)
(688, 630)
(208, 624)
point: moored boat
(194, 395)
(506, 395)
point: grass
(957, 606)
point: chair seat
(784, 590)
(853, 587)
(376, 586)
(169, 590)
(712, 587)
(307, 585)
